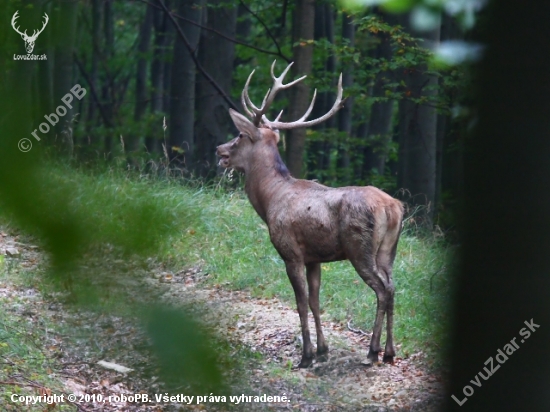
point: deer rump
(329, 224)
(310, 223)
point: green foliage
(186, 354)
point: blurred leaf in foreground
(184, 351)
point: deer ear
(244, 125)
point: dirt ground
(346, 382)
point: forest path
(346, 382)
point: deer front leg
(313, 273)
(295, 272)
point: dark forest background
(161, 75)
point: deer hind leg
(369, 273)
(381, 304)
(384, 260)
(313, 273)
(295, 272)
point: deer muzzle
(223, 154)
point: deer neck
(265, 180)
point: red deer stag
(310, 223)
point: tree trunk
(167, 80)
(96, 47)
(216, 55)
(319, 160)
(141, 75)
(302, 54)
(449, 147)
(418, 131)
(344, 115)
(63, 74)
(158, 63)
(503, 285)
(46, 72)
(107, 89)
(379, 133)
(244, 26)
(182, 106)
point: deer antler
(301, 122)
(258, 114)
(13, 19)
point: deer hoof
(372, 356)
(305, 363)
(388, 359)
(322, 354)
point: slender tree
(216, 54)
(303, 23)
(320, 150)
(182, 105)
(107, 92)
(95, 58)
(161, 25)
(418, 130)
(379, 132)
(63, 71)
(345, 114)
(141, 74)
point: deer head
(237, 153)
(29, 40)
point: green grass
(234, 244)
(24, 359)
(218, 230)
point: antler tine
(265, 97)
(338, 104)
(257, 114)
(13, 22)
(278, 81)
(279, 116)
(244, 96)
(277, 85)
(310, 108)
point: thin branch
(223, 36)
(15, 383)
(195, 60)
(265, 27)
(94, 93)
(282, 23)
(358, 331)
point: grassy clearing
(220, 231)
(234, 244)
(26, 364)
